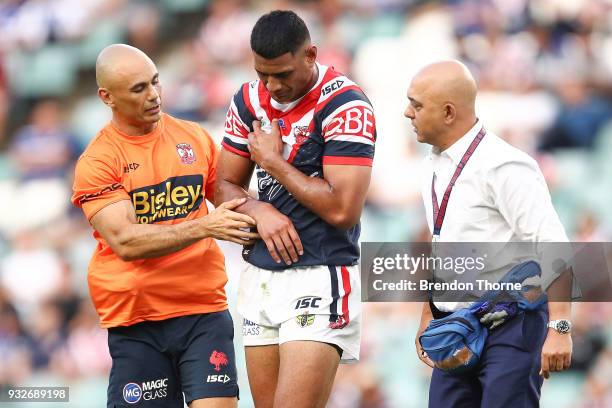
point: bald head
(119, 61)
(128, 83)
(442, 102)
(449, 82)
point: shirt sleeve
(523, 199)
(96, 185)
(349, 130)
(238, 123)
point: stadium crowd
(544, 68)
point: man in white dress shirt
(498, 196)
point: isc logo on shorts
(218, 378)
(307, 302)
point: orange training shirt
(166, 174)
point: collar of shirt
(284, 107)
(456, 151)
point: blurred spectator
(15, 357)
(394, 203)
(226, 32)
(598, 388)
(357, 387)
(85, 351)
(581, 115)
(32, 24)
(30, 273)
(44, 148)
(589, 229)
(196, 88)
(588, 336)
(331, 33)
(45, 327)
(4, 99)
(143, 25)
(33, 205)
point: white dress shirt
(500, 196)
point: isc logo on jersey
(334, 86)
(148, 391)
(174, 198)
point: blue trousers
(507, 375)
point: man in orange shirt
(157, 276)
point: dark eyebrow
(141, 84)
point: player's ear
(450, 113)
(106, 97)
(311, 54)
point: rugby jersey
(333, 124)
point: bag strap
(517, 274)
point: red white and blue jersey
(333, 124)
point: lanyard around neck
(440, 211)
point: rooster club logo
(301, 134)
(218, 359)
(185, 152)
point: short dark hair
(277, 33)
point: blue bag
(455, 342)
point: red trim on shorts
(346, 284)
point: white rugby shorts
(316, 303)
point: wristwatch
(562, 326)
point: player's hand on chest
(265, 147)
